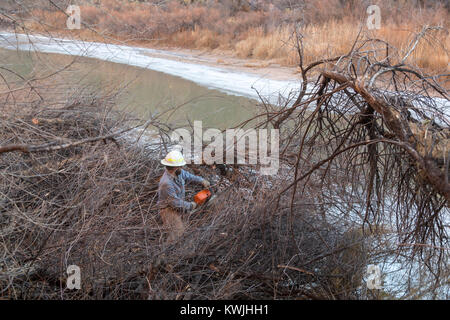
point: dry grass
(264, 33)
(336, 38)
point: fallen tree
(371, 133)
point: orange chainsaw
(203, 196)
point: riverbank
(228, 77)
(224, 60)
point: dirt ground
(226, 61)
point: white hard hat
(174, 159)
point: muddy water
(143, 91)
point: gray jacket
(171, 190)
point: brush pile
(94, 205)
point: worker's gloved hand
(206, 183)
(194, 205)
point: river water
(218, 97)
(144, 91)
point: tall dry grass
(265, 31)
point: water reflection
(144, 91)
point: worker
(171, 193)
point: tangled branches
(372, 135)
(93, 204)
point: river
(220, 98)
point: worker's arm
(169, 197)
(189, 177)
